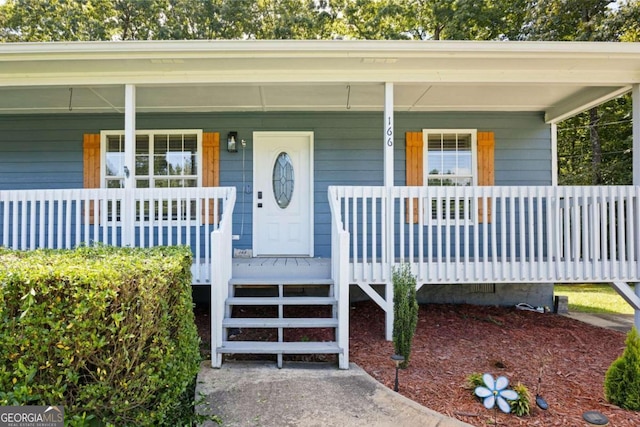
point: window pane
(115, 183)
(142, 144)
(190, 183)
(194, 164)
(161, 144)
(115, 164)
(114, 156)
(142, 183)
(177, 162)
(115, 143)
(464, 163)
(161, 183)
(160, 166)
(142, 165)
(283, 180)
(175, 143)
(191, 143)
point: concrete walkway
(617, 322)
(306, 395)
(261, 395)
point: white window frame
(103, 159)
(103, 150)
(429, 216)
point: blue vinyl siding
(45, 151)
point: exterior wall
(45, 151)
(501, 294)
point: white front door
(283, 193)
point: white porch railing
(221, 272)
(490, 234)
(35, 219)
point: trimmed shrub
(405, 307)
(622, 380)
(107, 332)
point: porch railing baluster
(32, 219)
(525, 234)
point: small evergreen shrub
(522, 405)
(622, 380)
(107, 332)
(405, 307)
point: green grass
(594, 298)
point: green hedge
(107, 332)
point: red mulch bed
(453, 341)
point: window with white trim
(163, 159)
(450, 157)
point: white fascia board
(306, 76)
(577, 104)
(304, 48)
(167, 62)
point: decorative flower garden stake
(496, 392)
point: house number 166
(390, 134)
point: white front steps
(279, 304)
(287, 322)
(261, 347)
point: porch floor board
(282, 268)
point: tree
(575, 148)
(585, 20)
(55, 20)
(566, 20)
(625, 24)
(375, 19)
(466, 19)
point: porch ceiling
(559, 79)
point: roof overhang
(559, 79)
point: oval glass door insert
(283, 180)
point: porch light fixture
(397, 359)
(232, 145)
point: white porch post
(635, 97)
(554, 154)
(127, 211)
(388, 139)
(635, 114)
(388, 135)
(129, 134)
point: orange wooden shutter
(210, 164)
(486, 168)
(91, 165)
(414, 166)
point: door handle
(259, 195)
